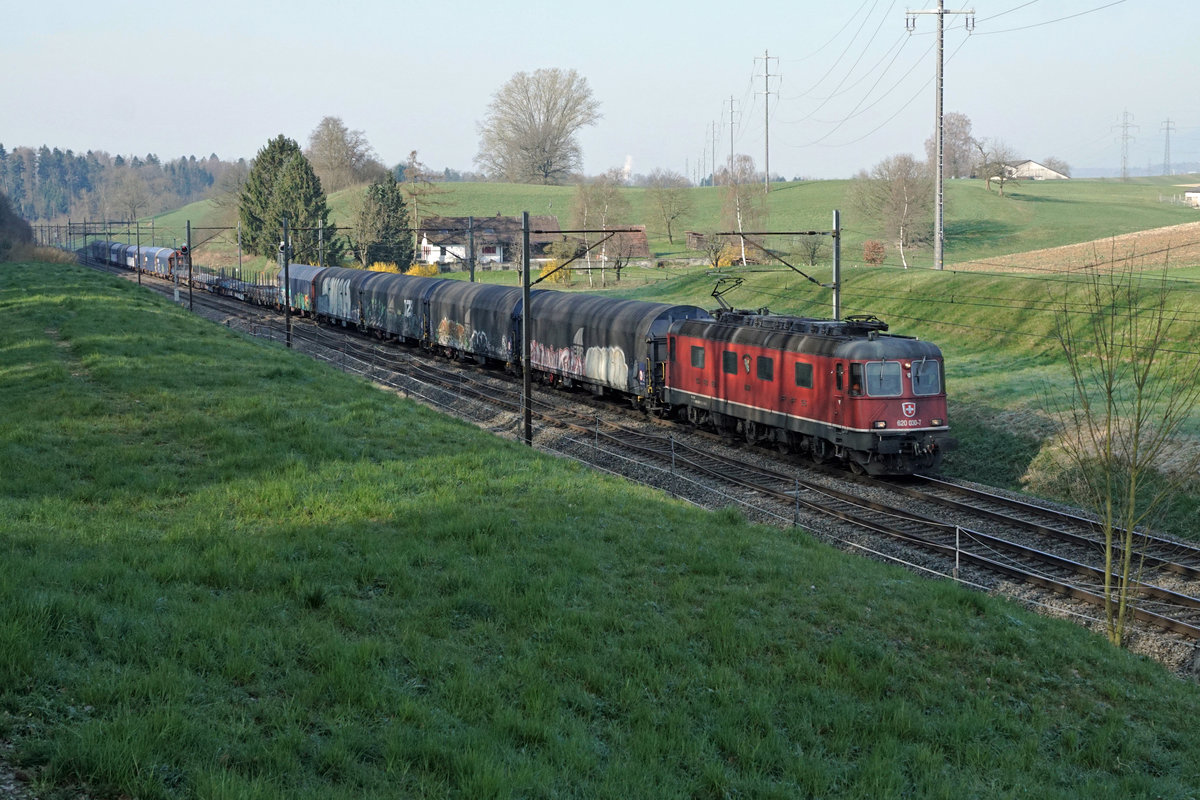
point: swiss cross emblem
(909, 409)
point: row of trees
(49, 184)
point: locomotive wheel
(818, 451)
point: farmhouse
(1033, 171)
(1192, 197)
(444, 240)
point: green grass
(275, 581)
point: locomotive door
(839, 388)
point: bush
(384, 266)
(424, 270)
(561, 276)
(873, 252)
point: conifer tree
(381, 230)
(281, 183)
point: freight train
(832, 390)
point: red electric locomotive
(833, 389)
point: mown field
(275, 581)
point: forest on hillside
(51, 185)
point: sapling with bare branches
(1132, 390)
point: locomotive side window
(926, 377)
(841, 371)
(804, 375)
(766, 368)
(883, 378)
(856, 379)
(729, 362)
(698, 357)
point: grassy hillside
(979, 224)
(279, 582)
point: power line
(1046, 22)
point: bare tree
(341, 157)
(958, 147)
(130, 194)
(423, 194)
(743, 205)
(993, 163)
(1004, 158)
(529, 132)
(600, 203)
(898, 193)
(228, 190)
(1131, 393)
(811, 248)
(668, 194)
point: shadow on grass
(1033, 198)
(986, 453)
(974, 232)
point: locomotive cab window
(698, 357)
(804, 375)
(766, 368)
(926, 377)
(883, 378)
(729, 362)
(856, 380)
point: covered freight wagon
(601, 341)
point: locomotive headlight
(935, 422)
(878, 424)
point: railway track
(942, 521)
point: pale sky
(849, 86)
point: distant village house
(444, 240)
(1033, 171)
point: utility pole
(1167, 127)
(837, 264)
(766, 59)
(1125, 124)
(713, 181)
(471, 246)
(526, 367)
(939, 237)
(285, 256)
(187, 249)
(731, 113)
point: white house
(1033, 171)
(444, 240)
(1192, 197)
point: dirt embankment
(1173, 246)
